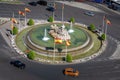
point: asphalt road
(40, 12)
(96, 69)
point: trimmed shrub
(50, 19)
(30, 22)
(31, 55)
(72, 20)
(14, 31)
(92, 27)
(69, 58)
(103, 37)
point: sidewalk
(81, 5)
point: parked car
(89, 13)
(18, 64)
(71, 72)
(112, 7)
(33, 3)
(42, 2)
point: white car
(89, 13)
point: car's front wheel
(22, 67)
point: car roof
(69, 69)
(17, 61)
(89, 12)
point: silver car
(89, 13)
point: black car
(33, 3)
(42, 2)
(18, 64)
(52, 9)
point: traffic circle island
(82, 42)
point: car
(89, 13)
(50, 8)
(71, 72)
(112, 7)
(33, 3)
(18, 64)
(42, 2)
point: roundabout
(102, 67)
(82, 42)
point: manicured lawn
(95, 48)
(19, 39)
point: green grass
(19, 39)
(95, 48)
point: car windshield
(90, 12)
(17, 61)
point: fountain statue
(59, 32)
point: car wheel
(11, 63)
(22, 67)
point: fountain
(45, 38)
(71, 30)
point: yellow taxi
(71, 72)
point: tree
(69, 58)
(30, 22)
(51, 19)
(103, 37)
(31, 55)
(92, 27)
(72, 20)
